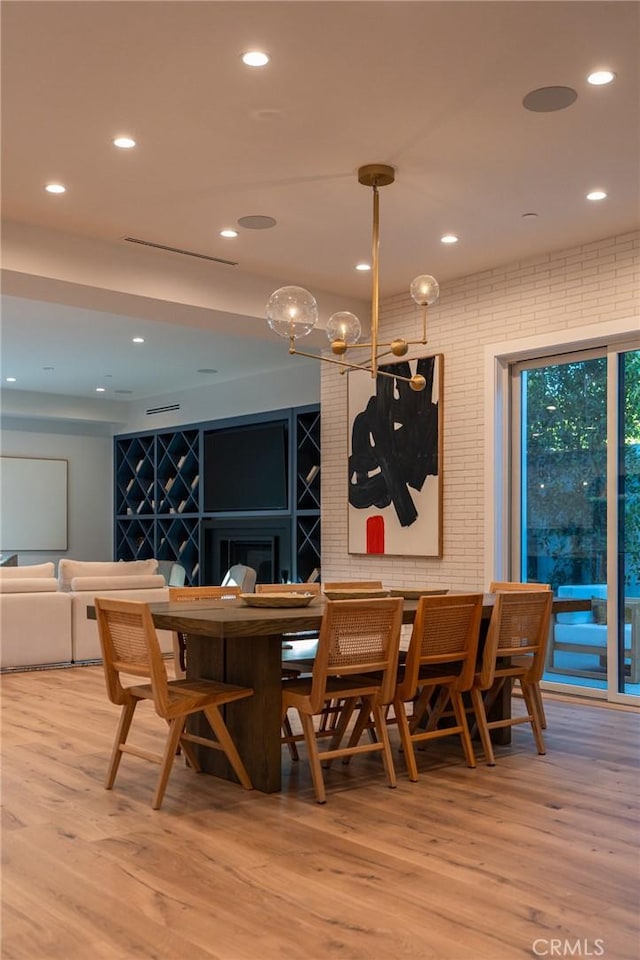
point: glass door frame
(513, 459)
(615, 674)
(615, 336)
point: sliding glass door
(575, 518)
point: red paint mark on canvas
(375, 535)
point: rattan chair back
(519, 626)
(444, 642)
(358, 637)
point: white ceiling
(433, 88)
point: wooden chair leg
(225, 740)
(537, 693)
(420, 707)
(529, 699)
(340, 727)
(190, 756)
(465, 736)
(176, 726)
(481, 723)
(438, 708)
(314, 757)
(363, 721)
(124, 725)
(288, 732)
(383, 737)
(405, 738)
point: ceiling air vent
(170, 406)
(185, 253)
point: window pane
(564, 507)
(564, 473)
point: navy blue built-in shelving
(159, 492)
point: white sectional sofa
(43, 620)
(35, 617)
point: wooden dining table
(229, 641)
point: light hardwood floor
(485, 864)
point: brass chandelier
(293, 312)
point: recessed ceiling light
(255, 58)
(599, 77)
(596, 195)
(55, 188)
(449, 238)
(11, 380)
(123, 391)
(363, 266)
(529, 216)
(125, 143)
(100, 389)
(228, 233)
(138, 340)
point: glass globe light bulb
(292, 312)
(425, 290)
(344, 325)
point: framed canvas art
(395, 461)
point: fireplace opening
(262, 555)
(264, 545)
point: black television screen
(245, 468)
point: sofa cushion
(587, 634)
(583, 591)
(117, 583)
(68, 569)
(29, 584)
(35, 630)
(30, 570)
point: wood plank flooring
(485, 864)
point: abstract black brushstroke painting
(395, 442)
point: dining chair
(180, 594)
(502, 586)
(518, 632)
(356, 663)
(130, 646)
(441, 660)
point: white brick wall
(553, 293)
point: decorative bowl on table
(277, 599)
(414, 593)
